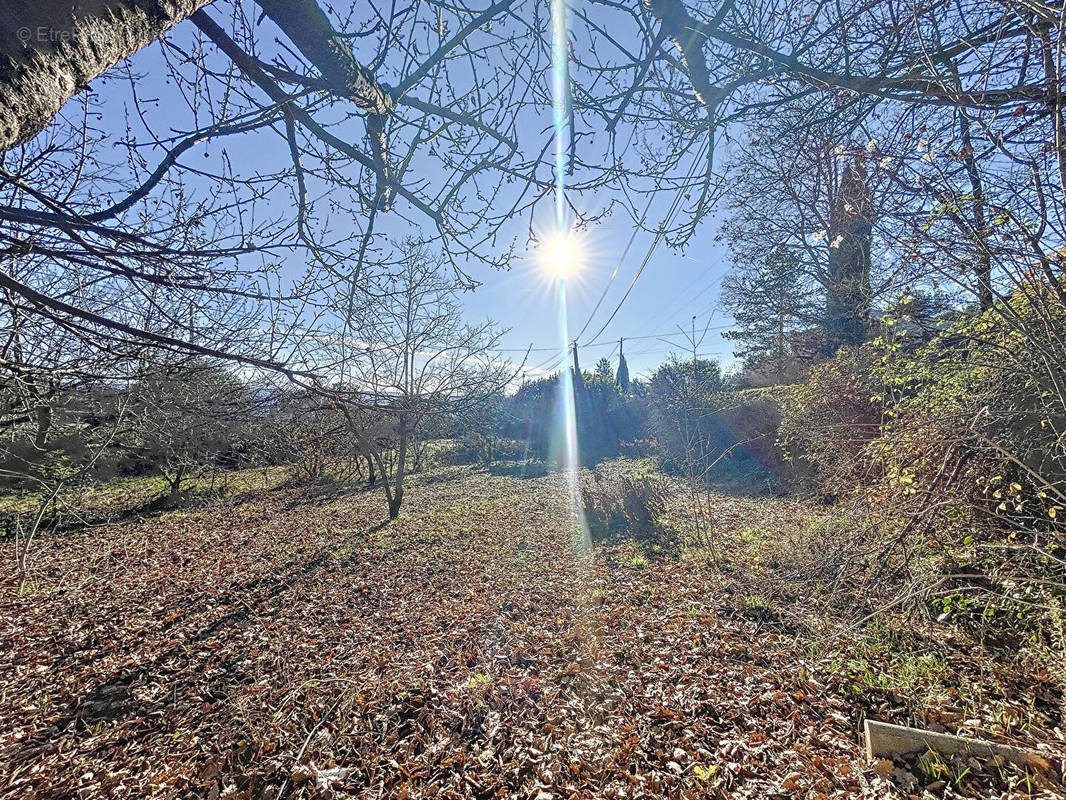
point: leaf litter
(289, 643)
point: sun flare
(562, 255)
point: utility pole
(693, 341)
(578, 381)
(622, 375)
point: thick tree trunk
(847, 307)
(51, 49)
(174, 482)
(395, 502)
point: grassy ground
(96, 503)
(288, 642)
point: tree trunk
(981, 233)
(847, 305)
(52, 49)
(175, 485)
(44, 425)
(396, 500)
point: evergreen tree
(622, 378)
(603, 369)
(771, 302)
(848, 293)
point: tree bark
(691, 38)
(848, 291)
(52, 49)
(175, 485)
(396, 499)
(308, 27)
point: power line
(618, 266)
(604, 343)
(680, 193)
(655, 336)
(658, 236)
(554, 361)
(714, 282)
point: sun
(562, 255)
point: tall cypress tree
(622, 376)
(848, 293)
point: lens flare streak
(560, 106)
(562, 253)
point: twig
(307, 742)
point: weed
(703, 773)
(933, 767)
(477, 686)
(27, 588)
(755, 602)
(627, 504)
(887, 660)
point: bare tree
(184, 416)
(316, 124)
(412, 359)
(299, 428)
(60, 413)
(705, 71)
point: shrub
(640, 448)
(630, 505)
(831, 419)
(973, 458)
(752, 418)
(950, 455)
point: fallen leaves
(884, 767)
(324, 780)
(469, 649)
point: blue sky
(673, 287)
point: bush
(627, 505)
(640, 448)
(830, 421)
(948, 459)
(979, 414)
(752, 418)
